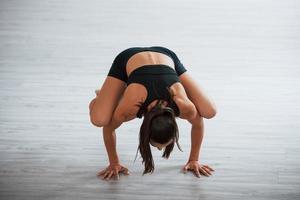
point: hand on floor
(113, 170)
(198, 169)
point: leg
(206, 108)
(103, 106)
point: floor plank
(245, 54)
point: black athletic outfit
(157, 78)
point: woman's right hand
(113, 170)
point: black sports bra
(157, 79)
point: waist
(153, 70)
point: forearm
(197, 133)
(109, 137)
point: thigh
(205, 106)
(103, 106)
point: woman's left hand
(198, 168)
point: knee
(99, 121)
(212, 113)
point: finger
(203, 172)
(106, 174)
(101, 172)
(124, 170)
(109, 175)
(116, 173)
(211, 169)
(185, 168)
(207, 170)
(196, 172)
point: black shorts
(118, 67)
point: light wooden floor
(54, 53)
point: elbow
(190, 113)
(193, 114)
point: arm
(196, 141)
(189, 111)
(109, 134)
(109, 137)
(121, 114)
(205, 106)
(197, 133)
(186, 107)
(125, 111)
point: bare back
(147, 58)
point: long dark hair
(159, 125)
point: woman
(150, 82)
